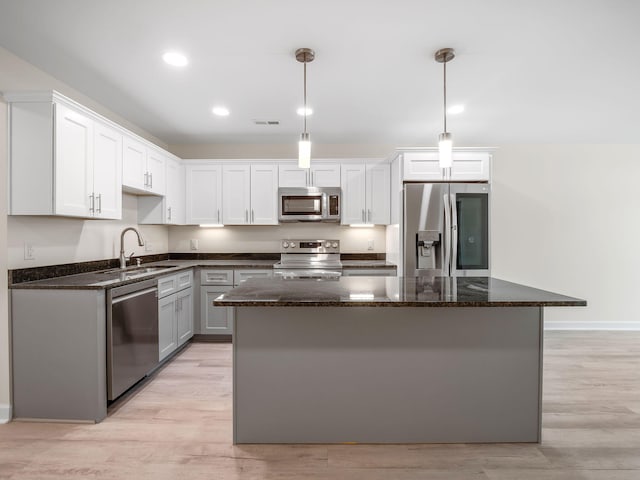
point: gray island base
(388, 371)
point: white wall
(566, 218)
(243, 239)
(59, 240)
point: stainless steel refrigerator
(446, 229)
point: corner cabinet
(170, 208)
(143, 170)
(366, 194)
(249, 194)
(64, 160)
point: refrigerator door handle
(446, 242)
(454, 232)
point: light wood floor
(178, 426)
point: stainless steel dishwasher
(132, 335)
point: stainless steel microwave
(309, 204)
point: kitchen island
(388, 360)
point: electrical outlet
(148, 246)
(370, 244)
(29, 251)
(194, 244)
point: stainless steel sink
(138, 270)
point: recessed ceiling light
(304, 112)
(455, 109)
(220, 111)
(175, 59)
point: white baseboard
(5, 413)
(559, 325)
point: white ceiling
(546, 71)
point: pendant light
(305, 55)
(445, 139)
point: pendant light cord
(305, 95)
(445, 96)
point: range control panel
(310, 246)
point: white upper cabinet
(143, 168)
(250, 194)
(203, 194)
(378, 194)
(74, 163)
(325, 175)
(319, 175)
(107, 172)
(175, 197)
(63, 159)
(424, 166)
(471, 166)
(353, 194)
(264, 194)
(366, 194)
(236, 194)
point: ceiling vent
(266, 122)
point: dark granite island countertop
(392, 292)
(468, 369)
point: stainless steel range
(309, 259)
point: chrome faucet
(123, 259)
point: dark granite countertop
(391, 292)
(115, 277)
(352, 264)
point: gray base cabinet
(184, 322)
(175, 312)
(59, 354)
(215, 282)
(214, 320)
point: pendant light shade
(304, 151)
(445, 139)
(445, 150)
(304, 55)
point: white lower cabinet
(175, 312)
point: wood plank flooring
(178, 426)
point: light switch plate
(370, 244)
(194, 244)
(29, 251)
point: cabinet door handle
(92, 204)
(169, 213)
(146, 179)
(312, 180)
(151, 180)
(363, 217)
(246, 216)
(218, 215)
(369, 215)
(253, 218)
(99, 203)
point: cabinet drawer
(184, 279)
(216, 277)
(167, 285)
(240, 276)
